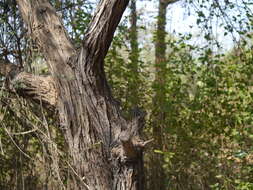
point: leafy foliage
(206, 100)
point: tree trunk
(158, 177)
(134, 83)
(133, 35)
(106, 151)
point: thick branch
(47, 29)
(28, 85)
(103, 26)
(39, 88)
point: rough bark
(106, 150)
(39, 88)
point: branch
(7, 69)
(169, 2)
(46, 28)
(102, 27)
(39, 88)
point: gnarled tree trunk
(105, 149)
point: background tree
(158, 177)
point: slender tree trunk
(134, 54)
(105, 149)
(158, 177)
(133, 91)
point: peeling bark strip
(106, 149)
